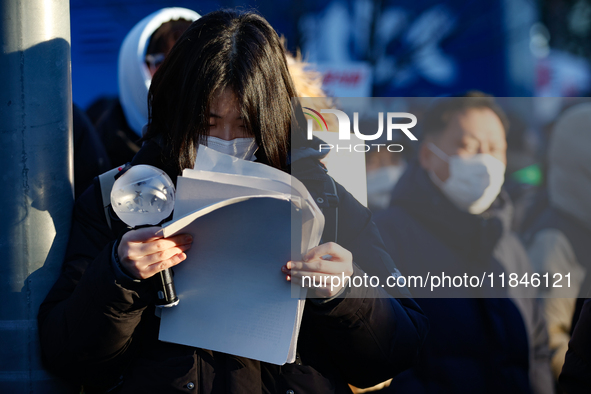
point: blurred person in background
(90, 156)
(308, 84)
(306, 79)
(541, 201)
(559, 241)
(448, 213)
(143, 50)
(98, 107)
(383, 169)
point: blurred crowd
(479, 192)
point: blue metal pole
(36, 177)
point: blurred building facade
(365, 47)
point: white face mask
(474, 182)
(242, 148)
(380, 183)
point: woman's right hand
(143, 253)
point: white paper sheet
(261, 177)
(247, 220)
(233, 295)
(195, 194)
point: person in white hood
(143, 50)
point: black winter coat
(119, 140)
(90, 157)
(475, 345)
(102, 331)
(576, 372)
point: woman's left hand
(320, 265)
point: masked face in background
(474, 182)
(383, 168)
(467, 160)
(380, 183)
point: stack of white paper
(247, 220)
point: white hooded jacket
(133, 75)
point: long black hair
(223, 49)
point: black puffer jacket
(476, 345)
(576, 372)
(119, 140)
(100, 330)
(90, 156)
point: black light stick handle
(165, 292)
(166, 296)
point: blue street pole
(36, 176)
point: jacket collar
(308, 150)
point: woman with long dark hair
(225, 84)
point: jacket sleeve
(551, 252)
(87, 320)
(371, 335)
(540, 370)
